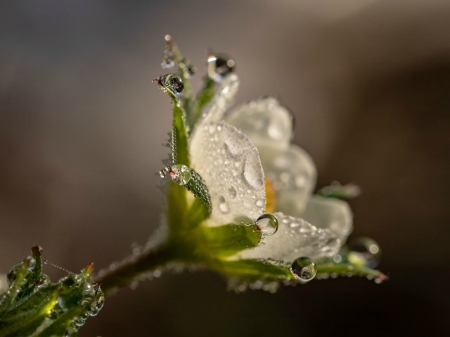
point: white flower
(232, 153)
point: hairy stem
(131, 268)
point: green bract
(34, 306)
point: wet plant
(239, 201)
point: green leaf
(198, 212)
(203, 98)
(227, 240)
(198, 187)
(256, 270)
(347, 263)
(179, 135)
(33, 304)
(182, 64)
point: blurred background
(81, 128)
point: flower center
(271, 198)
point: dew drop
(79, 321)
(164, 171)
(32, 264)
(223, 205)
(219, 66)
(180, 174)
(171, 82)
(268, 224)
(367, 249)
(259, 203)
(304, 269)
(168, 58)
(232, 192)
(97, 305)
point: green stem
(134, 267)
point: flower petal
(295, 237)
(330, 213)
(293, 177)
(264, 121)
(231, 168)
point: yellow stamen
(271, 198)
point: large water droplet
(366, 248)
(304, 269)
(219, 66)
(268, 224)
(180, 174)
(171, 82)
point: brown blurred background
(81, 127)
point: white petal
(264, 121)
(223, 98)
(295, 238)
(231, 168)
(332, 214)
(293, 176)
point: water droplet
(164, 171)
(79, 321)
(89, 288)
(259, 203)
(366, 248)
(97, 305)
(171, 82)
(168, 57)
(232, 192)
(268, 224)
(180, 174)
(43, 281)
(219, 66)
(32, 264)
(304, 269)
(223, 205)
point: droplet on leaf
(268, 224)
(304, 269)
(180, 174)
(171, 82)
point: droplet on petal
(219, 66)
(268, 224)
(230, 166)
(367, 249)
(304, 269)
